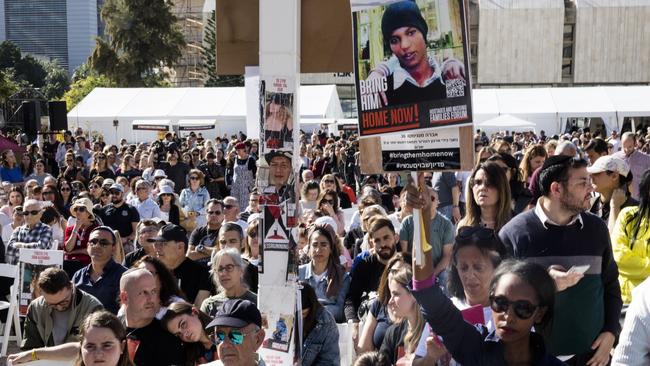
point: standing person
(611, 178)
(214, 175)
(533, 158)
(448, 195)
(101, 278)
(630, 239)
(10, 171)
(487, 198)
(244, 170)
(194, 197)
(595, 149)
(204, 239)
(147, 341)
(32, 235)
(231, 210)
(100, 167)
(120, 216)
(50, 147)
(147, 208)
(176, 170)
(558, 234)
(145, 230)
(638, 161)
(169, 210)
(39, 173)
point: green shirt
(441, 232)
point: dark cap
(274, 153)
(402, 14)
(556, 160)
(171, 232)
(240, 146)
(237, 313)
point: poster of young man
(411, 66)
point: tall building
(187, 71)
(61, 30)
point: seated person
(101, 278)
(55, 317)
(231, 235)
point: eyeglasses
(227, 268)
(523, 309)
(93, 187)
(47, 192)
(194, 178)
(60, 303)
(328, 181)
(32, 212)
(101, 242)
(115, 192)
(214, 213)
(79, 209)
(235, 336)
(228, 207)
(65, 189)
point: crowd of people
(536, 256)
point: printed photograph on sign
(28, 285)
(277, 120)
(411, 63)
(280, 331)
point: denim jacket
(194, 201)
(334, 305)
(321, 347)
(467, 344)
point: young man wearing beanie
(239, 333)
(412, 75)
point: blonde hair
(531, 153)
(404, 277)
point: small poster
(32, 262)
(437, 149)
(411, 66)
(280, 331)
(276, 114)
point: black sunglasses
(79, 209)
(214, 213)
(523, 309)
(32, 212)
(228, 207)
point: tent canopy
(506, 121)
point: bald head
(566, 148)
(132, 276)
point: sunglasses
(194, 178)
(331, 202)
(214, 213)
(115, 192)
(32, 212)
(47, 192)
(93, 187)
(79, 209)
(235, 336)
(523, 309)
(104, 195)
(101, 242)
(328, 181)
(227, 268)
(228, 207)
(65, 189)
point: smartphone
(579, 269)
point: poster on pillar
(276, 113)
(411, 66)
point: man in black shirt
(176, 170)
(214, 175)
(120, 216)
(203, 240)
(147, 342)
(171, 245)
(367, 273)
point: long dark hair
(497, 179)
(193, 351)
(168, 284)
(309, 301)
(644, 208)
(105, 319)
(486, 241)
(335, 272)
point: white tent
(506, 121)
(225, 107)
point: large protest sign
(32, 262)
(411, 66)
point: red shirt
(81, 243)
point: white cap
(159, 173)
(609, 163)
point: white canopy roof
(506, 121)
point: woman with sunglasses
(487, 199)
(100, 167)
(95, 189)
(522, 295)
(330, 182)
(228, 275)
(320, 335)
(166, 283)
(65, 190)
(324, 272)
(16, 198)
(327, 204)
(129, 167)
(75, 241)
(252, 245)
(194, 197)
(169, 210)
(188, 323)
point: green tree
(143, 37)
(209, 58)
(9, 55)
(57, 81)
(8, 85)
(30, 70)
(80, 88)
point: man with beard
(147, 342)
(120, 216)
(367, 273)
(575, 247)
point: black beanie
(402, 14)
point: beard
(385, 254)
(573, 204)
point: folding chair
(13, 319)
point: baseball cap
(237, 313)
(117, 186)
(171, 232)
(274, 153)
(609, 163)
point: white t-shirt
(421, 349)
